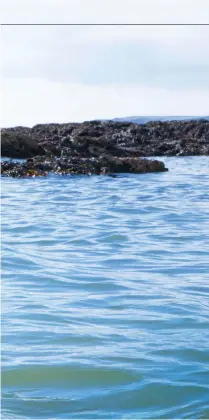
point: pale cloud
(65, 73)
(104, 11)
(164, 56)
(31, 101)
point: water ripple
(105, 295)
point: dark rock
(120, 139)
(100, 147)
(86, 166)
(17, 145)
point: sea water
(105, 295)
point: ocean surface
(105, 295)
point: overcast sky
(76, 73)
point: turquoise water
(105, 295)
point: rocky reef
(78, 165)
(93, 138)
(96, 147)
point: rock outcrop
(100, 147)
(94, 138)
(19, 145)
(80, 166)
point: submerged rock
(76, 165)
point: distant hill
(144, 120)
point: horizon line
(104, 24)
